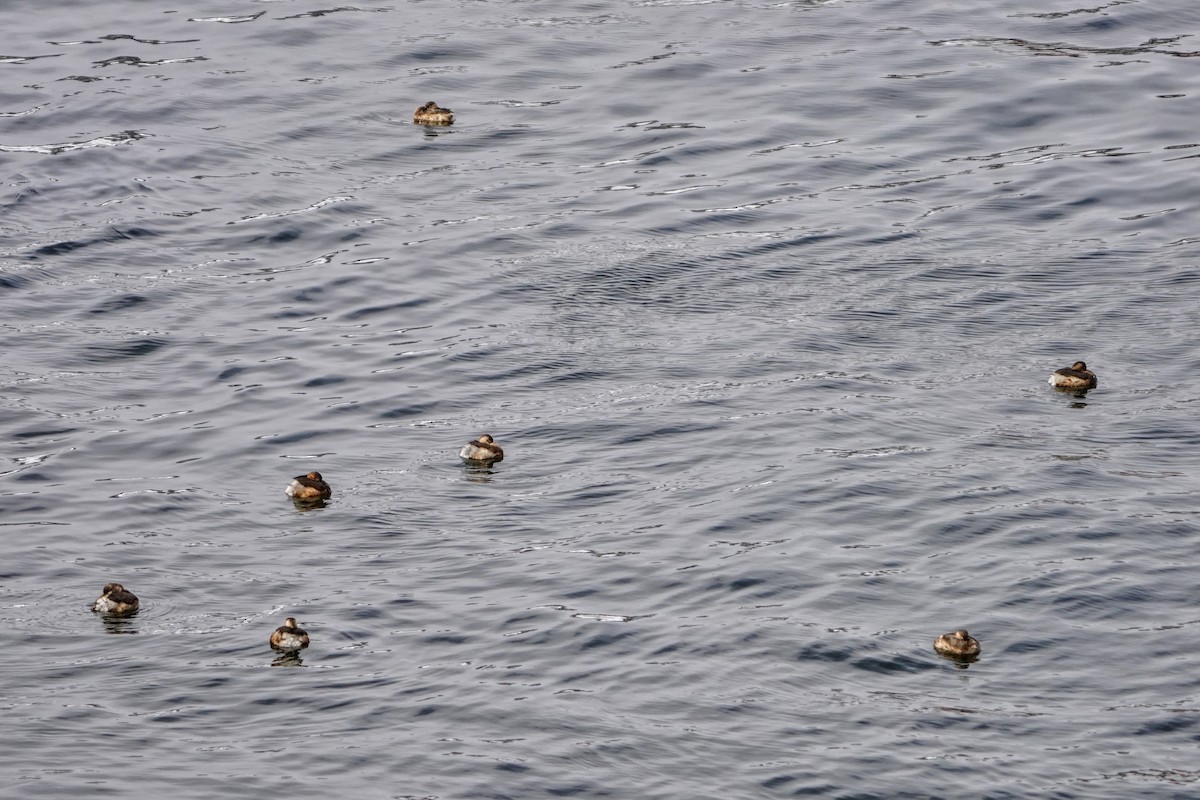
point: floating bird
(432, 114)
(958, 644)
(308, 487)
(1075, 377)
(116, 600)
(288, 638)
(483, 450)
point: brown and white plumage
(1075, 377)
(957, 644)
(288, 638)
(308, 487)
(433, 114)
(115, 599)
(484, 450)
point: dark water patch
(38, 433)
(604, 640)
(960, 272)
(418, 410)
(62, 248)
(537, 369)
(1172, 724)
(742, 523)
(134, 233)
(738, 585)
(1057, 515)
(283, 236)
(477, 354)
(886, 666)
(132, 348)
(121, 303)
(26, 476)
(576, 376)
(659, 433)
(1097, 534)
(231, 372)
(820, 789)
(778, 782)
(1184, 277)
(822, 652)
(873, 316)
(296, 437)
(578, 790)
(113, 235)
(447, 639)
(1175, 530)
(325, 380)
(11, 280)
(599, 492)
(21, 197)
(389, 308)
(1031, 646)
(1088, 605)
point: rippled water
(760, 298)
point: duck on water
(483, 450)
(115, 599)
(1074, 378)
(957, 644)
(308, 487)
(288, 637)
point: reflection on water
(287, 660)
(1080, 393)
(309, 505)
(119, 624)
(478, 473)
(960, 662)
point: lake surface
(760, 298)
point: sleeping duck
(308, 487)
(1073, 378)
(483, 450)
(432, 114)
(116, 600)
(958, 644)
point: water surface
(760, 299)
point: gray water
(760, 299)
